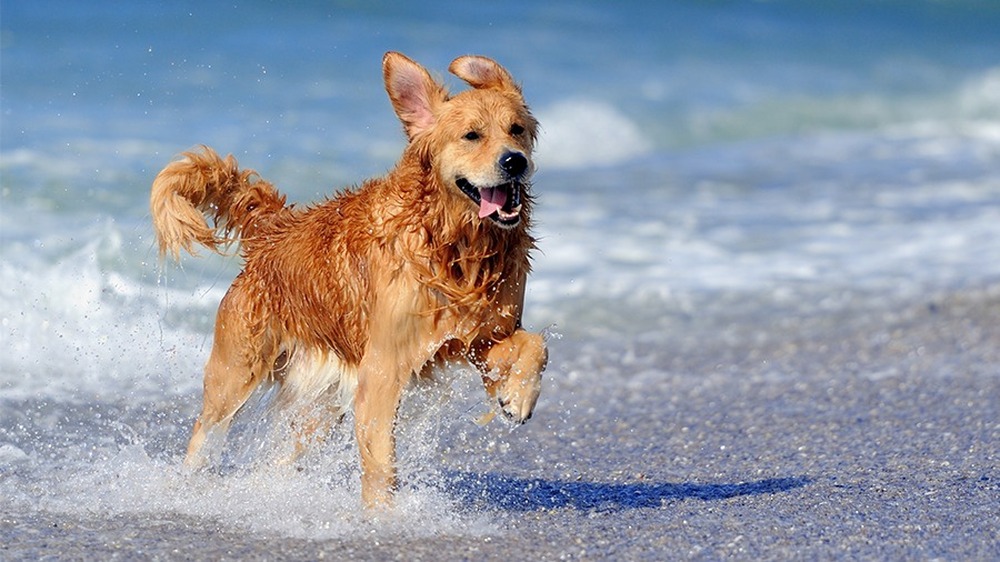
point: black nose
(514, 163)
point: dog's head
(479, 142)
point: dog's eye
(516, 129)
(471, 135)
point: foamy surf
(605, 137)
(116, 471)
(315, 503)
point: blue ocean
(717, 182)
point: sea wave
(971, 101)
(582, 132)
(77, 319)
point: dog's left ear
(481, 72)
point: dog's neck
(461, 256)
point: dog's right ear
(413, 93)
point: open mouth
(501, 203)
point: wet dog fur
(342, 303)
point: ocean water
(706, 170)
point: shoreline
(880, 441)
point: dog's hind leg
(235, 368)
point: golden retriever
(343, 302)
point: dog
(342, 303)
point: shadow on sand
(500, 491)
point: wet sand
(869, 432)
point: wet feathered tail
(203, 185)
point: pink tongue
(490, 200)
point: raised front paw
(517, 397)
(513, 373)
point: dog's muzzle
(500, 203)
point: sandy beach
(856, 435)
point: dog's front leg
(512, 373)
(375, 406)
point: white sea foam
(980, 96)
(579, 133)
(77, 329)
(817, 228)
(318, 503)
(118, 472)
